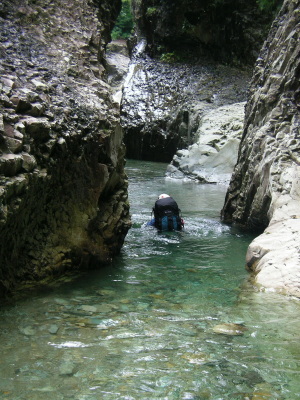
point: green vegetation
(268, 5)
(151, 11)
(124, 24)
(169, 57)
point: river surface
(148, 327)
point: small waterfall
(163, 103)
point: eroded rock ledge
(264, 192)
(63, 193)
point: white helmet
(163, 196)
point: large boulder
(63, 193)
(264, 192)
(213, 157)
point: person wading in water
(166, 214)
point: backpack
(166, 214)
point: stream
(174, 317)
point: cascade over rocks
(264, 192)
(163, 103)
(63, 190)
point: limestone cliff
(63, 193)
(264, 192)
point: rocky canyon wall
(186, 63)
(229, 31)
(264, 193)
(163, 104)
(63, 193)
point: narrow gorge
(192, 99)
(187, 96)
(200, 100)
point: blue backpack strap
(176, 227)
(164, 223)
(171, 225)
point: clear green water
(144, 327)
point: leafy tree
(124, 24)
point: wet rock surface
(117, 61)
(63, 193)
(230, 329)
(264, 191)
(163, 103)
(180, 71)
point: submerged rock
(196, 358)
(230, 329)
(53, 329)
(67, 368)
(28, 331)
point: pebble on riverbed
(230, 329)
(196, 358)
(28, 330)
(53, 329)
(67, 368)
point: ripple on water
(144, 328)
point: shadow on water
(173, 318)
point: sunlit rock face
(265, 188)
(117, 61)
(213, 157)
(63, 193)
